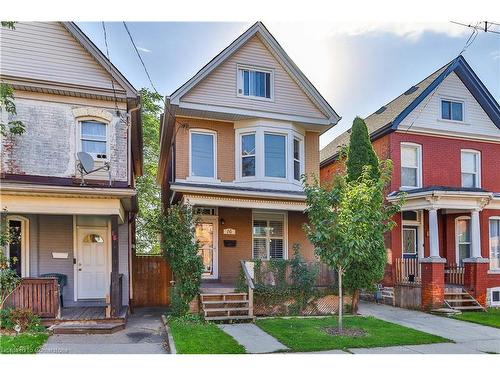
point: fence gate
(150, 281)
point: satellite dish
(86, 161)
(86, 166)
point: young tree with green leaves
(181, 249)
(148, 191)
(360, 152)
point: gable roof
(259, 29)
(388, 117)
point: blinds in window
(269, 236)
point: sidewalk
(252, 338)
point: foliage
(347, 220)
(15, 127)
(307, 335)
(148, 191)
(361, 153)
(9, 280)
(180, 248)
(25, 343)
(23, 319)
(303, 278)
(194, 336)
(489, 318)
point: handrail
(248, 278)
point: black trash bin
(62, 280)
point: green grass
(193, 336)
(25, 343)
(306, 335)
(489, 318)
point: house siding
(220, 86)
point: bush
(22, 318)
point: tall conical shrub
(361, 152)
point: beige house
(71, 100)
(235, 140)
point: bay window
(296, 159)
(411, 165)
(275, 155)
(248, 155)
(202, 154)
(470, 167)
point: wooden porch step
(461, 300)
(456, 294)
(226, 301)
(468, 308)
(202, 295)
(236, 317)
(220, 309)
(82, 328)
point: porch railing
(40, 295)
(454, 274)
(408, 271)
(250, 285)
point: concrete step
(478, 308)
(75, 328)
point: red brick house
(443, 136)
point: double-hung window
(93, 136)
(463, 238)
(296, 159)
(275, 155)
(495, 243)
(470, 167)
(452, 110)
(269, 236)
(248, 155)
(255, 83)
(411, 165)
(202, 154)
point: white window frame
(418, 147)
(204, 132)
(108, 132)
(457, 243)
(497, 303)
(451, 100)
(478, 165)
(300, 160)
(239, 82)
(420, 232)
(268, 215)
(240, 155)
(491, 218)
(260, 132)
(25, 243)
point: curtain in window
(93, 137)
(202, 155)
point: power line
(486, 28)
(110, 68)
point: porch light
(222, 221)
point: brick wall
(311, 149)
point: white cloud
(142, 49)
(495, 55)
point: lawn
(306, 335)
(25, 343)
(193, 336)
(489, 318)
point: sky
(357, 67)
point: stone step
(82, 328)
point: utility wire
(485, 29)
(110, 68)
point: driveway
(144, 334)
(468, 337)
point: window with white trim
(275, 155)
(470, 168)
(452, 110)
(256, 83)
(202, 158)
(94, 139)
(463, 238)
(296, 159)
(269, 236)
(495, 243)
(411, 165)
(495, 296)
(248, 155)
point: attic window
(452, 110)
(255, 83)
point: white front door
(92, 263)
(206, 234)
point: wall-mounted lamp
(222, 222)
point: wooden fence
(151, 278)
(40, 295)
(407, 271)
(408, 296)
(454, 274)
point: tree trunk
(355, 301)
(341, 299)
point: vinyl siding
(219, 87)
(47, 51)
(427, 115)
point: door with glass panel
(269, 236)
(410, 242)
(463, 239)
(206, 235)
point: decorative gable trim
(471, 82)
(278, 52)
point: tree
(7, 103)
(181, 249)
(348, 220)
(148, 191)
(361, 153)
(9, 280)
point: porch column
(115, 296)
(475, 235)
(433, 233)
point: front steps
(86, 327)
(460, 300)
(225, 306)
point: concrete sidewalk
(468, 337)
(252, 338)
(144, 334)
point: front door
(206, 234)
(410, 241)
(92, 263)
